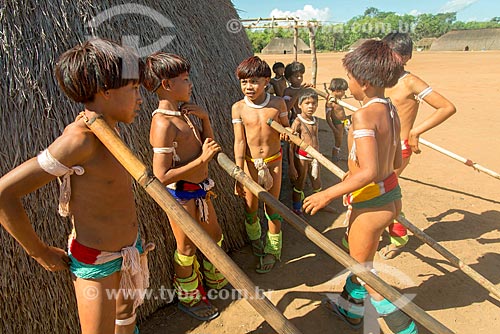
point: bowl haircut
(160, 66)
(253, 67)
(374, 62)
(97, 65)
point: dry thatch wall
(33, 112)
(473, 40)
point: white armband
(50, 164)
(363, 133)
(423, 94)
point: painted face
(254, 88)
(181, 87)
(309, 106)
(126, 102)
(296, 79)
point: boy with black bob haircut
(257, 151)
(335, 114)
(105, 243)
(181, 156)
(301, 164)
(294, 74)
(278, 83)
(407, 95)
(371, 185)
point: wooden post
(295, 39)
(189, 226)
(312, 45)
(331, 249)
(481, 280)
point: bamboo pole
(481, 280)
(467, 162)
(189, 226)
(450, 154)
(331, 249)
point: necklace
(302, 119)
(258, 106)
(295, 87)
(167, 112)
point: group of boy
(101, 255)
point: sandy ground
(452, 203)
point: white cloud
(456, 5)
(414, 12)
(308, 13)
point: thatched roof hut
(33, 112)
(285, 46)
(424, 43)
(460, 40)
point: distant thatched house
(360, 41)
(473, 40)
(424, 44)
(34, 111)
(285, 46)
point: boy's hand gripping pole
(414, 229)
(193, 230)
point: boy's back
(403, 97)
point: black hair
(278, 65)
(338, 84)
(400, 42)
(308, 92)
(294, 67)
(95, 65)
(374, 62)
(253, 67)
(161, 65)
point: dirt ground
(449, 201)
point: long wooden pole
(427, 143)
(189, 226)
(312, 45)
(480, 279)
(331, 249)
(295, 40)
(465, 161)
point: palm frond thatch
(33, 112)
(474, 40)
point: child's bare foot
(266, 264)
(390, 251)
(203, 311)
(332, 306)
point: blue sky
(343, 10)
